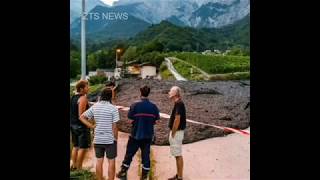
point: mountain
(175, 38)
(238, 32)
(207, 16)
(76, 7)
(218, 14)
(109, 23)
(193, 13)
(176, 21)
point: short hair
(177, 90)
(106, 94)
(145, 90)
(81, 85)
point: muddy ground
(225, 103)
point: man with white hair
(177, 124)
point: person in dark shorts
(80, 133)
(143, 115)
(105, 116)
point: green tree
(75, 64)
(187, 48)
(101, 59)
(130, 54)
(173, 46)
(154, 58)
(111, 58)
(152, 46)
(92, 62)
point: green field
(216, 64)
(185, 70)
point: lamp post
(117, 51)
(83, 42)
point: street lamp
(116, 70)
(117, 51)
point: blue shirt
(144, 115)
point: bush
(97, 80)
(96, 88)
(163, 67)
(166, 75)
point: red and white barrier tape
(167, 116)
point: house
(104, 72)
(206, 52)
(109, 72)
(92, 73)
(148, 71)
(134, 69)
(144, 70)
(217, 51)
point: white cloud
(109, 2)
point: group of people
(103, 117)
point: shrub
(97, 80)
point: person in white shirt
(105, 116)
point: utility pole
(83, 41)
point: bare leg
(179, 161)
(74, 155)
(81, 154)
(111, 169)
(99, 168)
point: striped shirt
(104, 114)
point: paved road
(174, 71)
